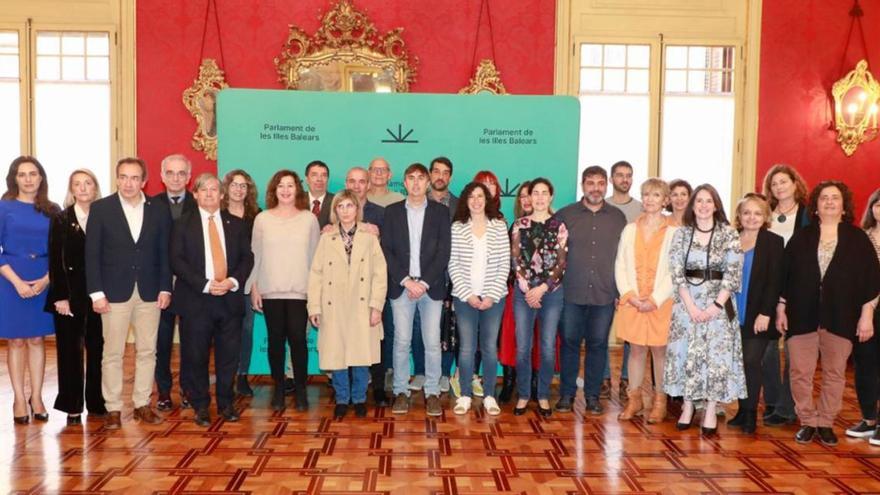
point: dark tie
(176, 199)
(316, 207)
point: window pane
(72, 127)
(613, 128)
(696, 81)
(73, 68)
(591, 55)
(697, 57)
(9, 66)
(98, 69)
(10, 123)
(614, 80)
(697, 141)
(98, 44)
(591, 80)
(615, 56)
(73, 44)
(638, 56)
(637, 81)
(48, 43)
(676, 81)
(48, 68)
(9, 42)
(676, 57)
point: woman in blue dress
(25, 211)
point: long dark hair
(848, 205)
(719, 216)
(463, 213)
(301, 200)
(868, 220)
(250, 199)
(41, 201)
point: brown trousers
(805, 350)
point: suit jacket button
(329, 303)
(330, 283)
(362, 299)
(362, 279)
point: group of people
(442, 280)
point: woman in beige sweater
(284, 241)
(347, 288)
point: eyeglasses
(236, 185)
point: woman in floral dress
(704, 352)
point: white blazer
(625, 267)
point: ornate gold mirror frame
(856, 101)
(201, 101)
(486, 79)
(347, 53)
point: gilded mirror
(201, 101)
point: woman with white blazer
(478, 266)
(644, 282)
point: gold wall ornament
(486, 79)
(347, 53)
(856, 100)
(201, 101)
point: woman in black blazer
(757, 298)
(786, 192)
(831, 279)
(77, 326)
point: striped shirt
(497, 262)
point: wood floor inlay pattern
(310, 453)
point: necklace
(710, 229)
(782, 214)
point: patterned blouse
(538, 250)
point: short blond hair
(69, 199)
(655, 184)
(762, 203)
(340, 197)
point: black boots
(508, 384)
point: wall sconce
(856, 102)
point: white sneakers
(491, 406)
(462, 405)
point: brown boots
(633, 405)
(658, 410)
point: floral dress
(538, 251)
(704, 360)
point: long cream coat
(343, 295)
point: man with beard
(594, 229)
(621, 182)
(441, 176)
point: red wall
(802, 42)
(442, 34)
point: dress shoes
(340, 411)
(564, 404)
(805, 434)
(360, 410)
(202, 417)
(113, 421)
(74, 419)
(163, 403)
(278, 399)
(545, 412)
(826, 436)
(145, 414)
(380, 398)
(777, 420)
(243, 387)
(289, 386)
(42, 417)
(229, 414)
(301, 400)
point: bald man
(380, 175)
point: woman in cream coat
(347, 286)
(645, 309)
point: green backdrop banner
(516, 137)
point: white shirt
(209, 256)
(82, 217)
(784, 229)
(478, 265)
(134, 215)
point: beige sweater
(283, 250)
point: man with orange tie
(211, 257)
(317, 176)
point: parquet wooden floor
(311, 453)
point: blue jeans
(548, 314)
(354, 392)
(247, 336)
(404, 310)
(623, 368)
(473, 323)
(418, 354)
(590, 323)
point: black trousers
(164, 347)
(753, 354)
(75, 336)
(286, 323)
(867, 360)
(218, 327)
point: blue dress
(24, 246)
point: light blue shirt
(415, 219)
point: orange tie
(216, 251)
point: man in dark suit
(317, 175)
(176, 172)
(416, 242)
(128, 276)
(211, 257)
